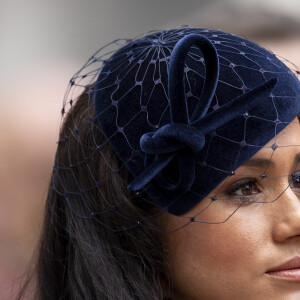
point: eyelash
(253, 182)
(296, 177)
(242, 184)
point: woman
(176, 174)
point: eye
(295, 182)
(245, 187)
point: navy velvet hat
(184, 108)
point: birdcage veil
(171, 115)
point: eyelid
(239, 183)
(253, 180)
(295, 174)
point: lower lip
(289, 275)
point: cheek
(207, 259)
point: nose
(287, 221)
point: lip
(290, 270)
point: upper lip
(293, 263)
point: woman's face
(231, 260)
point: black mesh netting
(90, 177)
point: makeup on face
(259, 244)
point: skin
(230, 260)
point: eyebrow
(262, 162)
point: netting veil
(178, 112)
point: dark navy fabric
(184, 108)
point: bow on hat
(184, 136)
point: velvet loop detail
(178, 139)
(176, 88)
(171, 138)
(186, 165)
(183, 140)
(184, 108)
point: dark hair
(80, 258)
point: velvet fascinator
(184, 108)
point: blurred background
(43, 43)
